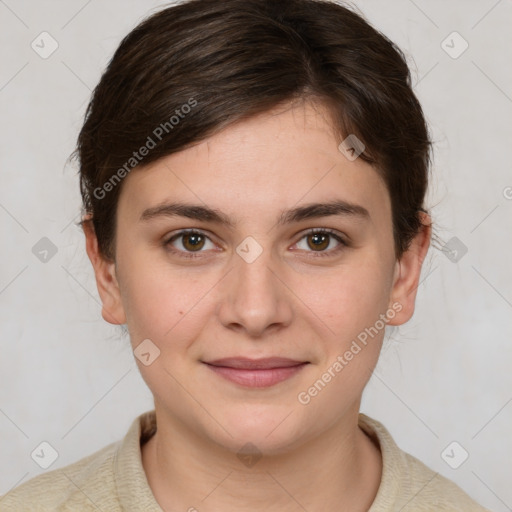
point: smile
(256, 373)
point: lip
(246, 363)
(256, 373)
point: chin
(271, 432)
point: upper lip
(246, 363)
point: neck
(337, 471)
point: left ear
(407, 273)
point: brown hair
(192, 69)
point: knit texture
(113, 479)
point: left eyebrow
(317, 210)
(298, 214)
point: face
(264, 274)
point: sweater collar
(130, 479)
(133, 487)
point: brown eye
(319, 240)
(192, 243)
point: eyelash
(313, 231)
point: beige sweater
(113, 479)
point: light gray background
(69, 378)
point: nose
(254, 297)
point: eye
(320, 239)
(192, 241)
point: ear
(104, 269)
(407, 273)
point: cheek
(350, 298)
(160, 303)
(351, 306)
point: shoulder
(78, 486)
(112, 479)
(428, 490)
(407, 484)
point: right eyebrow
(191, 211)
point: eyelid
(335, 233)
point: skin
(288, 302)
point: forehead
(260, 165)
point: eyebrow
(309, 211)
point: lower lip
(257, 378)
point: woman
(253, 176)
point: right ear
(105, 272)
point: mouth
(256, 373)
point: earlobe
(408, 271)
(106, 281)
